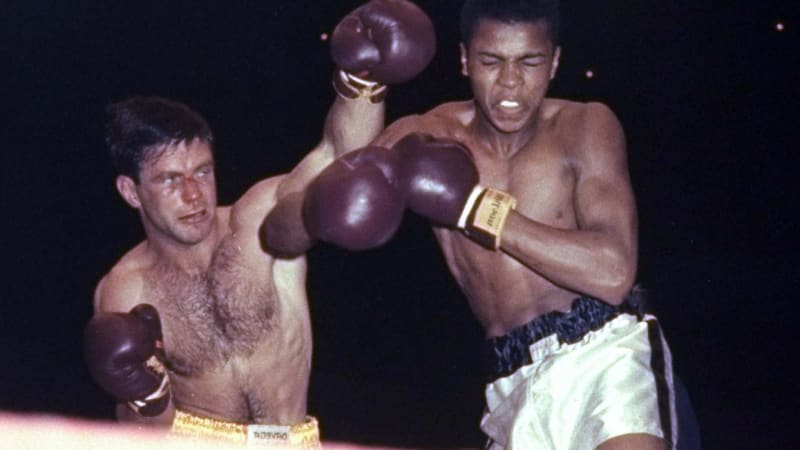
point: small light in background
(589, 73)
(323, 37)
(780, 26)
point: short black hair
(510, 11)
(139, 129)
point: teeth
(509, 104)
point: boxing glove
(122, 351)
(381, 42)
(440, 182)
(354, 203)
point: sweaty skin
(235, 319)
(574, 228)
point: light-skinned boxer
(200, 327)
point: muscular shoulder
(581, 119)
(589, 130)
(249, 211)
(122, 287)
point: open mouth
(509, 109)
(194, 217)
(509, 104)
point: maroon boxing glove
(381, 42)
(354, 202)
(440, 182)
(121, 351)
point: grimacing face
(177, 194)
(510, 65)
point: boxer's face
(510, 66)
(177, 194)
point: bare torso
(237, 334)
(502, 292)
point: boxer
(532, 206)
(201, 327)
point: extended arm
(350, 124)
(379, 43)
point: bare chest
(210, 317)
(539, 176)
(542, 180)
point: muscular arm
(600, 257)
(350, 124)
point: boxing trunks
(572, 380)
(301, 436)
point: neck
(501, 143)
(192, 259)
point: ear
(556, 60)
(463, 49)
(127, 189)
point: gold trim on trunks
(300, 436)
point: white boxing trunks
(574, 380)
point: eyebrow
(209, 163)
(523, 56)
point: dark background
(708, 98)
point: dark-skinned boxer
(547, 257)
(231, 358)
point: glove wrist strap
(351, 87)
(156, 401)
(487, 216)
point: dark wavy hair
(140, 129)
(510, 11)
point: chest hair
(210, 317)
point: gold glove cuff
(350, 87)
(488, 217)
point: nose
(510, 75)
(190, 191)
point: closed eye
(533, 62)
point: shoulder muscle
(119, 291)
(249, 211)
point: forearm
(592, 262)
(352, 123)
